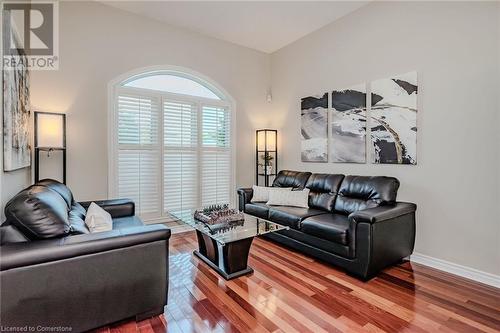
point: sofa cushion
(77, 223)
(294, 179)
(291, 216)
(126, 222)
(78, 210)
(39, 213)
(323, 190)
(297, 237)
(259, 209)
(362, 192)
(58, 187)
(76, 218)
(333, 227)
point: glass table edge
(203, 228)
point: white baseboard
(463, 271)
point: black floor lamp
(266, 154)
(50, 135)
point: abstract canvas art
(16, 118)
(348, 142)
(394, 119)
(314, 128)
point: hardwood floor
(290, 292)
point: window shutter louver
(180, 157)
(216, 156)
(137, 120)
(138, 155)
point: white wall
(454, 48)
(99, 43)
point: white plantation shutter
(138, 153)
(216, 156)
(173, 152)
(215, 178)
(180, 157)
(138, 180)
(137, 120)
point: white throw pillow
(97, 219)
(289, 198)
(261, 193)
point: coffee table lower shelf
(229, 260)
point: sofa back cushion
(294, 179)
(323, 190)
(39, 213)
(76, 218)
(362, 192)
(60, 188)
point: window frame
(116, 87)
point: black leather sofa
(55, 274)
(352, 221)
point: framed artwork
(348, 123)
(314, 128)
(16, 116)
(394, 119)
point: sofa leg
(149, 314)
(364, 278)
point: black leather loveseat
(54, 274)
(352, 221)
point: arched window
(172, 145)
(173, 83)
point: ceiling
(261, 25)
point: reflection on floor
(290, 292)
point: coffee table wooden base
(229, 260)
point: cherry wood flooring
(290, 292)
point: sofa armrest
(244, 197)
(115, 207)
(15, 255)
(383, 213)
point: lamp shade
(50, 130)
(271, 141)
(261, 140)
(266, 140)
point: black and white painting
(349, 125)
(16, 117)
(314, 128)
(394, 119)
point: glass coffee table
(225, 247)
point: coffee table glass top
(233, 231)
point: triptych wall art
(314, 128)
(391, 118)
(348, 139)
(394, 119)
